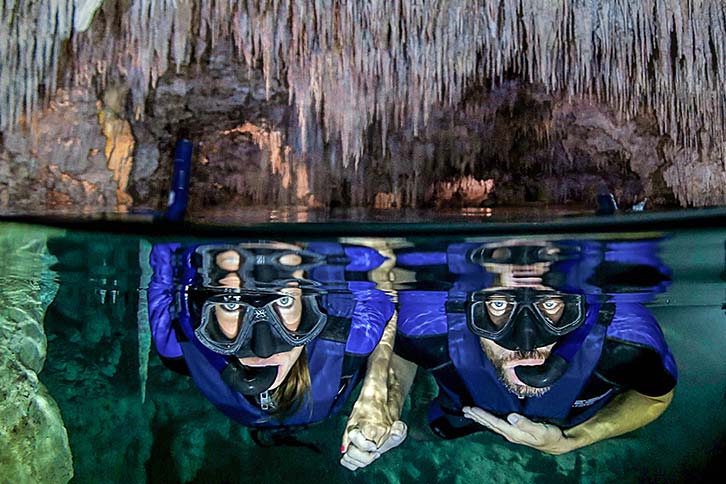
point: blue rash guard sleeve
(422, 332)
(371, 312)
(161, 308)
(161, 301)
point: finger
(345, 441)
(539, 433)
(348, 464)
(352, 464)
(480, 416)
(502, 427)
(528, 432)
(359, 440)
(360, 457)
(375, 433)
(399, 430)
(524, 424)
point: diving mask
(255, 263)
(524, 319)
(257, 323)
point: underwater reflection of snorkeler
(252, 265)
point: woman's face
(289, 311)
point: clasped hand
(373, 427)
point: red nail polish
(342, 449)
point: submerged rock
(35, 442)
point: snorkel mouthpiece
(544, 375)
(556, 364)
(249, 380)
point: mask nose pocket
(262, 341)
(527, 333)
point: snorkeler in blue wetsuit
(535, 354)
(265, 345)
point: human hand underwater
(520, 430)
(361, 449)
(373, 427)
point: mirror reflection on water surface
(530, 359)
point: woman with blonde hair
(267, 346)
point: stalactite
(348, 64)
(31, 36)
(142, 316)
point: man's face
(505, 361)
(499, 309)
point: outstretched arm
(625, 413)
(374, 426)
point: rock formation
(359, 91)
(35, 442)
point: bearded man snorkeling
(542, 362)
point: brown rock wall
(533, 146)
(60, 162)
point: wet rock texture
(61, 162)
(534, 147)
(35, 444)
(404, 113)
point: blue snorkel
(179, 192)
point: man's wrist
(575, 438)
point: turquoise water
(129, 418)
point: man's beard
(521, 390)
